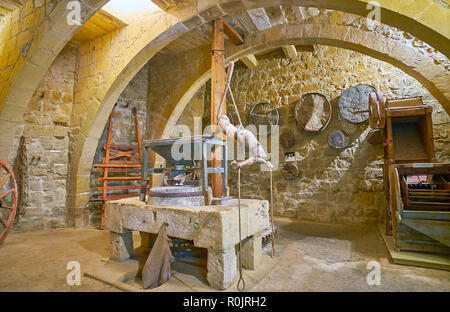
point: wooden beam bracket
(231, 33)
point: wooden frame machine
(417, 189)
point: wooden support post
(217, 91)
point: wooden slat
(120, 170)
(118, 178)
(119, 187)
(113, 165)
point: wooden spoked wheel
(8, 199)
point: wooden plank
(231, 33)
(426, 260)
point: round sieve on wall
(263, 114)
(313, 112)
(353, 103)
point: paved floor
(309, 257)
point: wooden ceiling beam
(231, 33)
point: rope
(271, 213)
(235, 106)
(241, 282)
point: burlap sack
(157, 269)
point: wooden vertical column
(217, 90)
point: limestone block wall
(341, 187)
(18, 30)
(46, 132)
(123, 130)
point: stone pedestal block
(120, 245)
(222, 268)
(251, 252)
(215, 228)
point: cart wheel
(8, 199)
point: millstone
(177, 196)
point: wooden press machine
(417, 189)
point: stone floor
(309, 257)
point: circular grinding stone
(176, 196)
(313, 112)
(338, 140)
(353, 103)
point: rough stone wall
(46, 129)
(123, 130)
(335, 186)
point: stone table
(215, 228)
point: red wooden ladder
(121, 161)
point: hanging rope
(241, 282)
(271, 213)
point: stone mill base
(214, 228)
